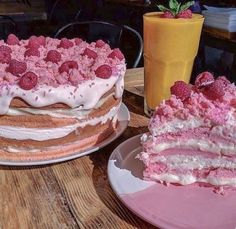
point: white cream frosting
(84, 96)
(42, 134)
(215, 147)
(194, 162)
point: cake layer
(56, 148)
(200, 138)
(190, 177)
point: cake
(58, 97)
(192, 135)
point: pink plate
(183, 207)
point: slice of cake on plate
(57, 96)
(192, 135)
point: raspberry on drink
(28, 81)
(167, 14)
(184, 14)
(104, 71)
(176, 10)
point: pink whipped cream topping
(48, 72)
(198, 105)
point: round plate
(123, 120)
(169, 207)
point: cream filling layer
(194, 162)
(58, 113)
(200, 144)
(185, 179)
(42, 134)
(176, 125)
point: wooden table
(22, 12)
(73, 194)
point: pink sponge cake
(193, 135)
(58, 97)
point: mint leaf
(163, 8)
(173, 4)
(186, 6)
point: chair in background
(122, 36)
(7, 26)
(63, 12)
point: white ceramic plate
(172, 207)
(123, 119)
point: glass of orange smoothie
(170, 47)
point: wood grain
(73, 194)
(134, 81)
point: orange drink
(170, 47)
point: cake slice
(192, 135)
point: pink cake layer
(184, 139)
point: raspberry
(104, 71)
(224, 80)
(28, 81)
(90, 53)
(5, 54)
(99, 43)
(185, 14)
(78, 41)
(33, 43)
(12, 39)
(66, 66)
(32, 52)
(41, 40)
(116, 53)
(167, 14)
(181, 90)
(215, 90)
(204, 79)
(65, 43)
(16, 67)
(53, 56)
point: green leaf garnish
(163, 8)
(173, 4)
(186, 6)
(175, 7)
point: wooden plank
(134, 81)
(219, 32)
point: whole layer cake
(57, 96)
(192, 136)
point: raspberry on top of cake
(43, 71)
(193, 134)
